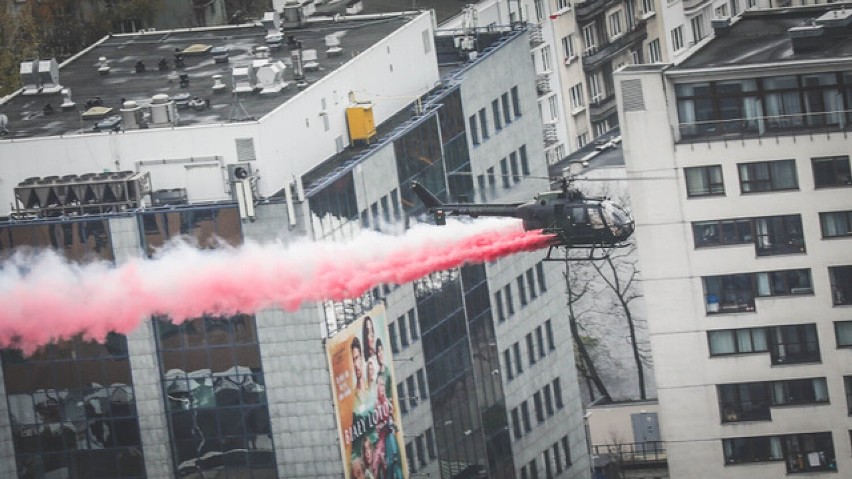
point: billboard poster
(361, 366)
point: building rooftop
(763, 36)
(27, 115)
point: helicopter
(576, 221)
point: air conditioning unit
(239, 172)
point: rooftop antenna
(238, 111)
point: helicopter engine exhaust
(47, 298)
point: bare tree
(619, 273)
(575, 289)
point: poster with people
(361, 365)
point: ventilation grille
(631, 95)
(245, 149)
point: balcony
(634, 454)
(586, 11)
(536, 35)
(595, 56)
(542, 84)
(550, 135)
(602, 108)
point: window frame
(713, 187)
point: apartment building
(743, 230)
(110, 156)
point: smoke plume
(46, 298)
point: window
(596, 92)
(557, 459)
(504, 172)
(545, 59)
(794, 344)
(654, 52)
(539, 10)
(516, 424)
(522, 290)
(533, 467)
(768, 176)
(836, 224)
(516, 101)
(553, 106)
(563, 4)
(722, 232)
(721, 11)
(507, 115)
(421, 384)
(409, 455)
(566, 450)
(697, 27)
(615, 25)
(507, 361)
(677, 38)
(525, 416)
(483, 120)
(704, 181)
(582, 139)
(474, 130)
(831, 171)
(548, 329)
(525, 163)
(779, 235)
(510, 302)
(731, 293)
(531, 349)
(513, 164)
(568, 47)
(752, 401)
(516, 349)
(590, 40)
(421, 453)
(841, 284)
(809, 452)
(531, 283)
(744, 450)
(542, 280)
(576, 93)
(393, 337)
(785, 282)
(495, 110)
(737, 341)
(412, 392)
(400, 390)
(498, 302)
(557, 395)
(548, 467)
(843, 333)
(647, 6)
(539, 336)
(847, 382)
(548, 400)
(735, 7)
(412, 323)
(430, 444)
(403, 331)
(539, 407)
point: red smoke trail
(46, 298)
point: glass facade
(210, 367)
(73, 411)
(72, 404)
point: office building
(243, 135)
(741, 192)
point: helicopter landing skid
(591, 256)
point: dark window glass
(744, 402)
(421, 384)
(474, 130)
(539, 406)
(836, 224)
(557, 458)
(548, 328)
(548, 400)
(843, 333)
(736, 341)
(510, 302)
(507, 360)
(516, 101)
(539, 336)
(724, 232)
(504, 173)
(768, 176)
(525, 162)
(498, 302)
(809, 452)
(430, 444)
(402, 324)
(548, 467)
(516, 349)
(495, 110)
(522, 290)
(841, 284)
(513, 164)
(781, 283)
(413, 326)
(516, 424)
(525, 416)
(704, 181)
(794, 344)
(779, 235)
(847, 384)
(752, 449)
(832, 171)
(557, 393)
(483, 120)
(531, 283)
(567, 451)
(729, 293)
(507, 112)
(531, 349)
(542, 280)
(393, 338)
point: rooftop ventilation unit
(354, 7)
(272, 22)
(163, 110)
(243, 79)
(332, 44)
(270, 78)
(298, 69)
(73, 194)
(48, 73)
(294, 12)
(67, 103)
(218, 85)
(29, 77)
(103, 66)
(817, 33)
(309, 60)
(132, 116)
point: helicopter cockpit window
(617, 219)
(595, 219)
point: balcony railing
(636, 454)
(602, 108)
(550, 135)
(542, 84)
(593, 57)
(591, 8)
(765, 126)
(536, 35)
